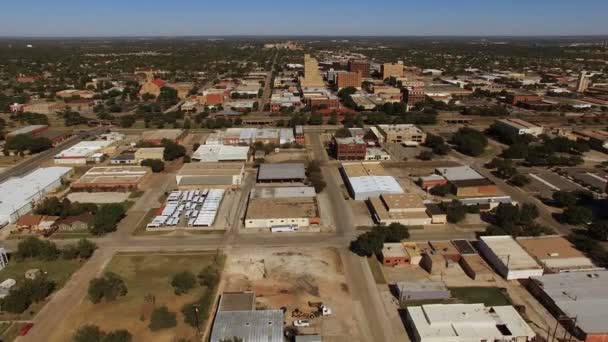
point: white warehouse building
(508, 258)
(19, 194)
(467, 323)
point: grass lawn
(145, 275)
(376, 268)
(490, 296)
(59, 271)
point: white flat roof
(215, 153)
(83, 149)
(466, 322)
(386, 184)
(510, 253)
(458, 173)
(18, 192)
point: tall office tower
(583, 82)
(312, 76)
(392, 70)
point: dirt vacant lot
(290, 278)
(144, 274)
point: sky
(309, 17)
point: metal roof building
(283, 192)
(289, 172)
(458, 173)
(236, 317)
(221, 153)
(578, 297)
(17, 194)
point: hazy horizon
(189, 18)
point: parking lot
(192, 209)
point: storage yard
(192, 209)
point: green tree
(118, 336)
(425, 155)
(156, 165)
(183, 282)
(563, 199)
(108, 287)
(88, 333)
(577, 215)
(520, 180)
(599, 230)
(441, 190)
(107, 218)
(162, 318)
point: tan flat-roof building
(221, 175)
(156, 137)
(392, 70)
(556, 254)
(406, 209)
(402, 133)
(149, 153)
(312, 76)
(106, 178)
(281, 212)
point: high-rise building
(312, 76)
(392, 70)
(360, 66)
(583, 82)
(348, 79)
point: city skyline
(317, 18)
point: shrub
(156, 165)
(108, 287)
(162, 318)
(183, 282)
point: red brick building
(360, 66)
(330, 103)
(349, 79)
(349, 148)
(414, 95)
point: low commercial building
(156, 137)
(467, 182)
(114, 178)
(299, 135)
(31, 130)
(43, 107)
(376, 154)
(467, 323)
(519, 127)
(281, 173)
(125, 158)
(437, 214)
(409, 291)
(429, 182)
(282, 192)
(281, 212)
(508, 258)
(405, 209)
(405, 133)
(394, 254)
(446, 248)
(577, 299)
(237, 318)
(42, 224)
(221, 153)
(413, 250)
(18, 195)
(556, 254)
(84, 152)
(351, 148)
(193, 176)
(476, 268)
(392, 70)
(150, 153)
(367, 180)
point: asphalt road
(35, 161)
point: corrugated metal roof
(250, 326)
(281, 171)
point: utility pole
(196, 315)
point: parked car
(26, 328)
(301, 323)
